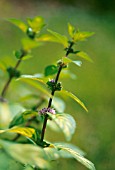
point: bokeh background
(95, 84)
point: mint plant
(22, 134)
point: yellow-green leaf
(71, 30)
(75, 98)
(82, 36)
(59, 38)
(36, 85)
(19, 24)
(28, 44)
(84, 56)
(33, 77)
(24, 131)
(47, 37)
(66, 60)
(36, 23)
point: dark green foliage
(50, 70)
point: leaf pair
(74, 34)
(77, 35)
(32, 28)
(36, 24)
(26, 78)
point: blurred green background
(95, 81)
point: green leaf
(68, 74)
(46, 37)
(28, 97)
(22, 117)
(26, 154)
(7, 163)
(82, 36)
(84, 56)
(75, 98)
(19, 24)
(50, 70)
(7, 112)
(78, 63)
(5, 115)
(26, 57)
(66, 123)
(28, 44)
(71, 30)
(18, 54)
(59, 38)
(58, 104)
(33, 77)
(35, 85)
(54, 152)
(64, 154)
(67, 60)
(36, 23)
(24, 131)
(28, 167)
(77, 156)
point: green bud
(30, 33)
(53, 86)
(58, 87)
(60, 63)
(20, 53)
(13, 72)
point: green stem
(6, 87)
(49, 104)
(69, 48)
(10, 78)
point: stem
(49, 104)
(10, 78)
(6, 87)
(69, 48)
(52, 93)
(18, 62)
